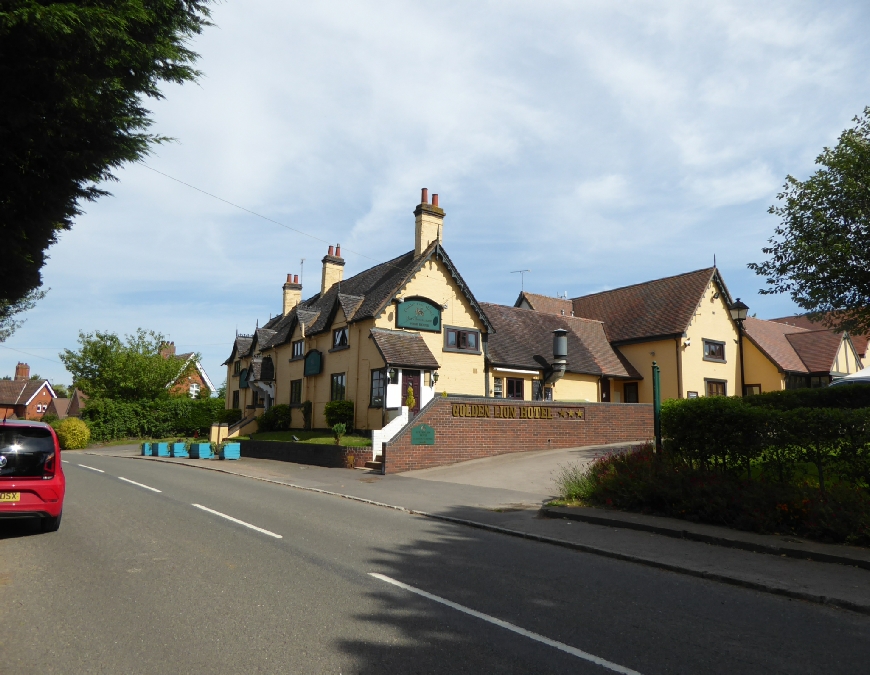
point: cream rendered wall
(233, 385)
(711, 321)
(459, 373)
(761, 370)
(847, 360)
(641, 355)
(576, 387)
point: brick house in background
(24, 398)
(193, 378)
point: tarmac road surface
(160, 568)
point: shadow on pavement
(12, 528)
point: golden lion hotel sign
(513, 412)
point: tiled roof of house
(403, 349)
(663, 307)
(18, 392)
(803, 321)
(523, 338)
(794, 349)
(363, 296)
(240, 347)
(544, 303)
(59, 407)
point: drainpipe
(679, 368)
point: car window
(24, 450)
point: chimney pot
(424, 196)
(331, 251)
(295, 278)
(434, 200)
(289, 278)
(338, 250)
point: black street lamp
(739, 311)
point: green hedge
(772, 435)
(276, 418)
(110, 419)
(339, 412)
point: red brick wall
(43, 398)
(552, 425)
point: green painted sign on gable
(422, 434)
(313, 363)
(418, 315)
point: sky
(597, 144)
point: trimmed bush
(73, 434)
(307, 417)
(339, 412)
(230, 416)
(162, 418)
(276, 418)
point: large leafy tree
(74, 76)
(820, 253)
(132, 369)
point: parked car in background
(32, 484)
(861, 377)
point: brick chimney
(167, 350)
(333, 269)
(292, 293)
(22, 371)
(428, 223)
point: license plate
(10, 496)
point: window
(514, 388)
(629, 391)
(298, 349)
(193, 390)
(379, 381)
(236, 399)
(237, 368)
(716, 388)
(537, 390)
(456, 340)
(337, 389)
(818, 382)
(255, 398)
(714, 351)
(497, 387)
(339, 338)
(751, 389)
(295, 391)
(548, 393)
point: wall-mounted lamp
(688, 342)
(392, 375)
(434, 377)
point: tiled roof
(794, 349)
(240, 347)
(803, 321)
(523, 338)
(18, 392)
(262, 369)
(364, 295)
(403, 349)
(59, 406)
(817, 349)
(663, 307)
(544, 303)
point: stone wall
(471, 428)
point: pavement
(788, 566)
(162, 568)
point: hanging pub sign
(418, 315)
(313, 363)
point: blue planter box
(179, 450)
(146, 449)
(231, 451)
(201, 451)
(160, 449)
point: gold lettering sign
(510, 412)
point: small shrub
(276, 418)
(410, 401)
(339, 412)
(73, 434)
(339, 430)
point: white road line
(64, 461)
(133, 482)
(236, 520)
(85, 466)
(511, 627)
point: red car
(32, 483)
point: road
(140, 581)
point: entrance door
(411, 378)
(605, 390)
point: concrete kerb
(583, 548)
(802, 554)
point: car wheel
(50, 524)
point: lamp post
(739, 310)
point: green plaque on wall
(422, 434)
(313, 363)
(418, 315)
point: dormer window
(298, 349)
(237, 368)
(339, 338)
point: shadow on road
(12, 528)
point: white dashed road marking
(615, 667)
(85, 466)
(133, 482)
(236, 520)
